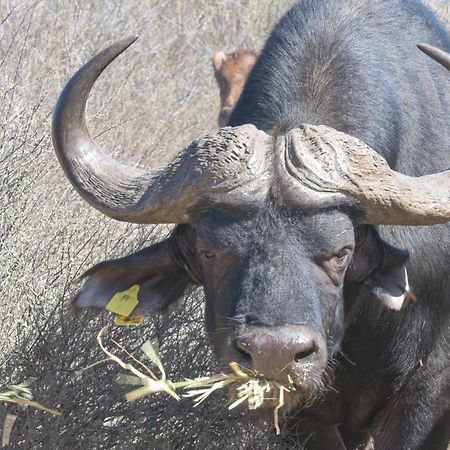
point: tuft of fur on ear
(161, 281)
(391, 287)
(218, 59)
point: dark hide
(353, 65)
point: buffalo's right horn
(438, 55)
(215, 163)
(330, 162)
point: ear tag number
(123, 303)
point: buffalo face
(274, 290)
(274, 279)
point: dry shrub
(157, 97)
(95, 414)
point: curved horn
(327, 161)
(131, 194)
(438, 55)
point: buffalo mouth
(263, 396)
(291, 399)
(268, 401)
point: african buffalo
(337, 130)
(231, 71)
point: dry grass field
(155, 99)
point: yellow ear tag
(125, 302)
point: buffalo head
(273, 227)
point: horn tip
(124, 43)
(131, 39)
(441, 56)
(424, 47)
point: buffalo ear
(218, 59)
(389, 284)
(381, 269)
(161, 281)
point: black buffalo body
(304, 289)
(353, 65)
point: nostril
(242, 347)
(300, 356)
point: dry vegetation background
(157, 97)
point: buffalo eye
(207, 254)
(336, 265)
(341, 256)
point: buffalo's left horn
(216, 163)
(438, 55)
(327, 161)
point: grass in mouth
(250, 387)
